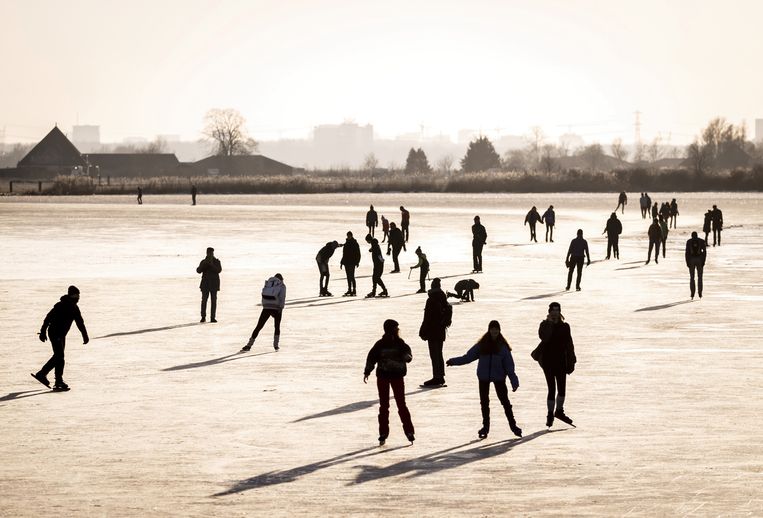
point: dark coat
(494, 365)
(436, 318)
(614, 228)
(696, 248)
(372, 219)
(350, 253)
(556, 347)
(532, 217)
(466, 284)
(717, 219)
(655, 232)
(706, 224)
(390, 355)
(396, 240)
(59, 320)
(210, 274)
(549, 217)
(479, 234)
(376, 254)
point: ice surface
(165, 419)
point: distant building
(240, 165)
(53, 155)
(759, 130)
(132, 164)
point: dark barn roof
(54, 150)
(243, 165)
(134, 164)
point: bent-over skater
(322, 259)
(465, 290)
(273, 302)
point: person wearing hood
(378, 261)
(549, 218)
(322, 258)
(350, 261)
(424, 265)
(613, 229)
(395, 243)
(438, 315)
(479, 238)
(209, 268)
(390, 356)
(533, 218)
(495, 363)
(273, 302)
(56, 326)
(655, 239)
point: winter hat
(390, 326)
(554, 305)
(494, 324)
(73, 290)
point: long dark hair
(490, 346)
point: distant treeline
(631, 180)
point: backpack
(271, 289)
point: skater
(665, 211)
(622, 201)
(495, 363)
(717, 222)
(378, 260)
(576, 255)
(549, 218)
(674, 213)
(663, 234)
(57, 323)
(533, 217)
(613, 230)
(479, 238)
(707, 223)
(438, 315)
(655, 239)
(655, 211)
(464, 290)
(556, 356)
(405, 221)
(390, 355)
(273, 301)
(424, 265)
(385, 228)
(372, 220)
(696, 254)
(395, 243)
(322, 258)
(350, 261)
(210, 269)
(194, 191)
(140, 196)
(648, 203)
(644, 204)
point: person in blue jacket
(495, 363)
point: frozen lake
(164, 418)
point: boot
(482, 433)
(276, 338)
(61, 386)
(248, 345)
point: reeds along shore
(632, 180)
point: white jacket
(274, 294)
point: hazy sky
(155, 67)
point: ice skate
(549, 420)
(482, 433)
(559, 414)
(382, 440)
(60, 386)
(42, 379)
(410, 436)
(371, 295)
(384, 294)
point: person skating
(464, 290)
(665, 211)
(532, 218)
(644, 204)
(654, 233)
(273, 301)
(663, 234)
(576, 255)
(378, 261)
(674, 213)
(322, 259)
(372, 220)
(56, 326)
(495, 364)
(648, 203)
(655, 210)
(405, 221)
(194, 192)
(707, 222)
(479, 238)
(390, 356)
(385, 228)
(556, 356)
(717, 221)
(613, 229)
(140, 195)
(696, 255)
(395, 243)
(209, 268)
(622, 201)
(423, 264)
(350, 261)
(438, 315)
(549, 218)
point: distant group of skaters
(390, 354)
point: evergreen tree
(417, 162)
(480, 156)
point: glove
(43, 336)
(449, 363)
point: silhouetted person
(56, 325)
(350, 261)
(532, 218)
(390, 356)
(717, 221)
(273, 301)
(495, 363)
(395, 243)
(378, 260)
(648, 202)
(549, 218)
(556, 356)
(385, 228)
(663, 234)
(423, 264)
(465, 290)
(140, 196)
(479, 238)
(613, 229)
(405, 221)
(655, 210)
(665, 211)
(576, 255)
(322, 258)
(707, 223)
(372, 220)
(194, 191)
(622, 201)
(644, 204)
(696, 254)
(655, 239)
(674, 213)
(437, 318)
(210, 269)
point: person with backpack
(663, 233)
(424, 265)
(390, 356)
(613, 229)
(464, 290)
(696, 255)
(479, 238)
(378, 261)
(556, 356)
(495, 363)
(385, 228)
(395, 243)
(533, 218)
(322, 259)
(273, 302)
(372, 220)
(549, 218)
(438, 315)
(209, 268)
(654, 233)
(350, 261)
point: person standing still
(556, 356)
(654, 233)
(717, 221)
(378, 261)
(372, 220)
(405, 221)
(194, 191)
(549, 218)
(479, 238)
(395, 243)
(437, 318)
(350, 261)
(613, 230)
(696, 255)
(385, 228)
(576, 255)
(664, 234)
(209, 268)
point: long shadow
(216, 361)
(457, 275)
(630, 267)
(635, 262)
(503, 245)
(663, 306)
(598, 261)
(351, 407)
(150, 330)
(26, 393)
(444, 459)
(272, 478)
(546, 295)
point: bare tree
(618, 150)
(226, 131)
(654, 149)
(535, 141)
(593, 155)
(370, 163)
(699, 157)
(639, 153)
(445, 164)
(548, 158)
